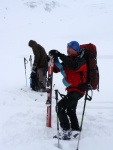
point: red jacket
(75, 69)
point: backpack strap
(98, 79)
(82, 51)
(58, 64)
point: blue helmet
(74, 45)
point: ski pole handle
(25, 62)
(30, 59)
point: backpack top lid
(90, 49)
(74, 45)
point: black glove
(33, 75)
(54, 53)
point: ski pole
(86, 98)
(25, 62)
(56, 97)
(30, 59)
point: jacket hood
(32, 43)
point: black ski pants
(66, 108)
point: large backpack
(89, 52)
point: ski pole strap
(58, 64)
(61, 95)
(30, 59)
(88, 97)
(25, 62)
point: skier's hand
(54, 53)
(33, 75)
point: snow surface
(53, 24)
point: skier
(75, 69)
(40, 65)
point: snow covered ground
(53, 24)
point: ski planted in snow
(49, 91)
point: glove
(54, 53)
(89, 87)
(33, 75)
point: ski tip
(56, 137)
(75, 135)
